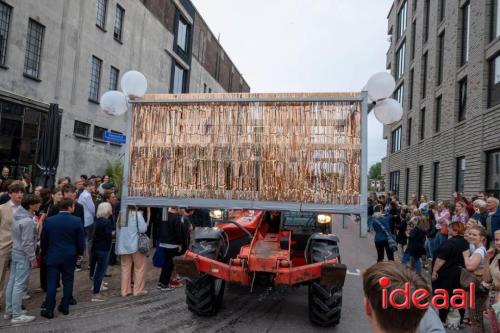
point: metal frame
(360, 209)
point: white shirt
(14, 207)
(86, 201)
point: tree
(375, 171)
(115, 171)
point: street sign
(114, 137)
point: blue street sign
(114, 137)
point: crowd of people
(448, 241)
(76, 226)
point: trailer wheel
(204, 295)
(325, 304)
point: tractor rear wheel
(325, 304)
(204, 295)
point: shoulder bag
(143, 244)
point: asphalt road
(281, 310)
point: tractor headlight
(324, 218)
(216, 214)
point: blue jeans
(429, 246)
(101, 258)
(406, 260)
(440, 239)
(20, 271)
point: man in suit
(7, 210)
(63, 242)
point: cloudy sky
(305, 46)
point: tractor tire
(204, 295)
(325, 304)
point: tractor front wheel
(204, 295)
(325, 304)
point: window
(462, 99)
(494, 82)
(465, 33)
(99, 133)
(407, 185)
(400, 61)
(209, 90)
(440, 60)
(114, 73)
(439, 105)
(182, 34)
(394, 182)
(399, 94)
(414, 6)
(495, 24)
(396, 140)
(408, 132)
(118, 29)
(33, 49)
(422, 124)
(442, 10)
(424, 76)
(179, 79)
(81, 129)
(410, 91)
(101, 13)
(435, 182)
(5, 12)
(420, 180)
(413, 34)
(460, 173)
(95, 79)
(402, 16)
(493, 173)
(204, 87)
(427, 5)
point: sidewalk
(82, 287)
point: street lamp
(379, 87)
(133, 85)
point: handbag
(159, 257)
(392, 243)
(143, 244)
(467, 277)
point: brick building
(70, 52)
(445, 57)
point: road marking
(357, 273)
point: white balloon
(134, 83)
(380, 86)
(388, 111)
(114, 103)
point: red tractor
(270, 249)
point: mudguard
(323, 247)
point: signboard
(114, 137)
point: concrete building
(445, 56)
(69, 52)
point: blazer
(62, 238)
(6, 213)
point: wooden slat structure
(295, 148)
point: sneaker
(160, 286)
(98, 298)
(26, 297)
(166, 288)
(78, 269)
(104, 283)
(8, 316)
(176, 284)
(22, 319)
